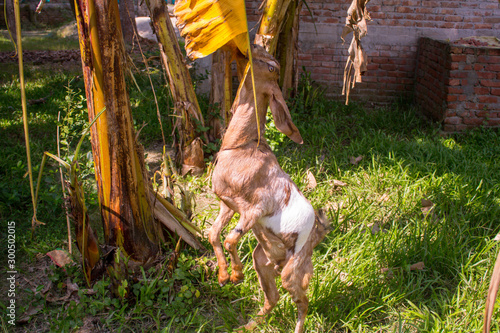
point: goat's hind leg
(267, 279)
(295, 278)
(225, 215)
(246, 222)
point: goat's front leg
(225, 215)
(246, 222)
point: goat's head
(267, 72)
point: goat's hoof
(252, 324)
(237, 278)
(223, 280)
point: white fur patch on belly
(297, 217)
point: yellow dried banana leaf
(207, 25)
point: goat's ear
(281, 116)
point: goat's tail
(321, 228)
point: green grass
(47, 40)
(362, 280)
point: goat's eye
(271, 68)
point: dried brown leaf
(383, 198)
(311, 180)
(32, 310)
(427, 203)
(60, 257)
(339, 183)
(356, 160)
(418, 266)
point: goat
(248, 179)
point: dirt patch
(41, 57)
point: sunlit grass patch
(414, 215)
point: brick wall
(458, 84)
(391, 43)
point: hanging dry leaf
(60, 257)
(356, 160)
(311, 180)
(356, 65)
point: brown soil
(41, 57)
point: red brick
(481, 113)
(320, 70)
(482, 90)
(458, 57)
(490, 83)
(478, 67)
(486, 75)
(494, 122)
(493, 67)
(495, 19)
(458, 74)
(483, 26)
(388, 67)
(449, 128)
(489, 59)
(322, 57)
(453, 18)
(495, 91)
(455, 90)
(465, 114)
(473, 121)
(453, 120)
(451, 98)
(487, 99)
(403, 9)
(453, 82)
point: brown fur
(248, 180)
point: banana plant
(85, 236)
(186, 108)
(210, 25)
(278, 34)
(132, 217)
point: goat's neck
(243, 126)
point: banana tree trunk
(278, 34)
(220, 92)
(288, 50)
(271, 24)
(186, 108)
(126, 211)
(127, 16)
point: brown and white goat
(248, 179)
